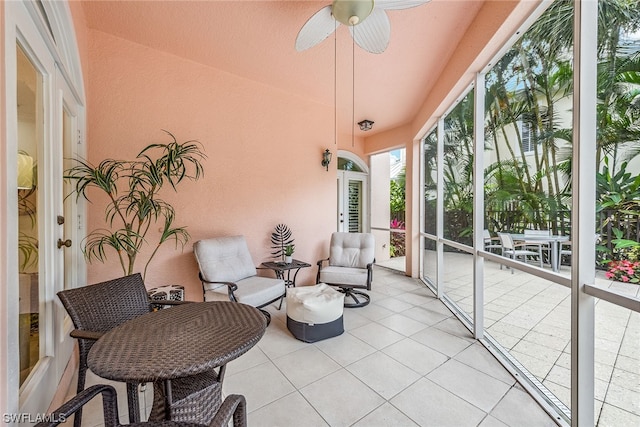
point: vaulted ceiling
(255, 40)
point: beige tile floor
(531, 318)
(403, 360)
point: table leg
(168, 398)
(554, 255)
(294, 277)
(133, 402)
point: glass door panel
(354, 218)
(352, 190)
(30, 130)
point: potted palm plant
(132, 188)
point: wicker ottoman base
(309, 332)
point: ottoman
(314, 313)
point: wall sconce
(365, 125)
(326, 158)
(25, 171)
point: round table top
(176, 342)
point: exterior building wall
(563, 120)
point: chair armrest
(168, 302)
(86, 335)
(233, 406)
(64, 412)
(320, 268)
(158, 304)
(231, 287)
(370, 274)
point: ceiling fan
(373, 28)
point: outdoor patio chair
(565, 248)
(490, 243)
(233, 407)
(228, 272)
(510, 249)
(538, 245)
(349, 266)
(98, 308)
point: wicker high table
(179, 349)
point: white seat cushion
(344, 275)
(314, 304)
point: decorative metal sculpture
(280, 239)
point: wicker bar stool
(95, 310)
(233, 407)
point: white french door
(352, 202)
(43, 123)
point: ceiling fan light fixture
(351, 12)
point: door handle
(65, 243)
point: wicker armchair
(233, 407)
(96, 309)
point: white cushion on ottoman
(314, 312)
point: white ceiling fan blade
(398, 4)
(316, 29)
(373, 33)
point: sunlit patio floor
(530, 317)
(406, 360)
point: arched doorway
(353, 192)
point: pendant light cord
(353, 86)
(335, 84)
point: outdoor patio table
(552, 239)
(178, 342)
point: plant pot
(288, 259)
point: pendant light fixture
(365, 125)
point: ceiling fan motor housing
(351, 12)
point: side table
(281, 267)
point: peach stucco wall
(264, 148)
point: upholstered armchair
(228, 272)
(349, 266)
